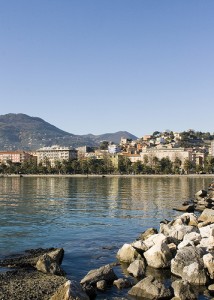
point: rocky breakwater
(174, 262)
(184, 247)
(203, 199)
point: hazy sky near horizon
(98, 66)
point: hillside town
(159, 153)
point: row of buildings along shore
(144, 149)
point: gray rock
(122, 283)
(127, 253)
(150, 288)
(46, 264)
(71, 290)
(188, 264)
(206, 231)
(104, 273)
(137, 268)
(154, 239)
(207, 216)
(193, 236)
(211, 289)
(57, 255)
(186, 208)
(158, 256)
(183, 290)
(195, 274)
(189, 219)
(147, 233)
(177, 232)
(200, 194)
(208, 260)
(101, 285)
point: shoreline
(108, 175)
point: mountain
(20, 131)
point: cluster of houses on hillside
(146, 148)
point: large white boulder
(158, 256)
(207, 231)
(195, 274)
(154, 240)
(127, 253)
(207, 215)
(177, 232)
(188, 264)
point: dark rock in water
(30, 258)
(150, 288)
(211, 186)
(186, 208)
(90, 291)
(147, 233)
(104, 273)
(47, 264)
(122, 283)
(137, 268)
(211, 289)
(165, 221)
(101, 285)
(201, 194)
(183, 290)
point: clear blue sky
(98, 66)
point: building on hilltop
(212, 148)
(55, 153)
(114, 149)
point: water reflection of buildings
(113, 196)
(52, 186)
(151, 193)
(11, 185)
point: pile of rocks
(205, 199)
(185, 246)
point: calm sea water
(91, 218)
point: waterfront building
(172, 153)
(15, 156)
(55, 153)
(168, 151)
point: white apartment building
(172, 154)
(112, 149)
(55, 153)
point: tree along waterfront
(107, 166)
